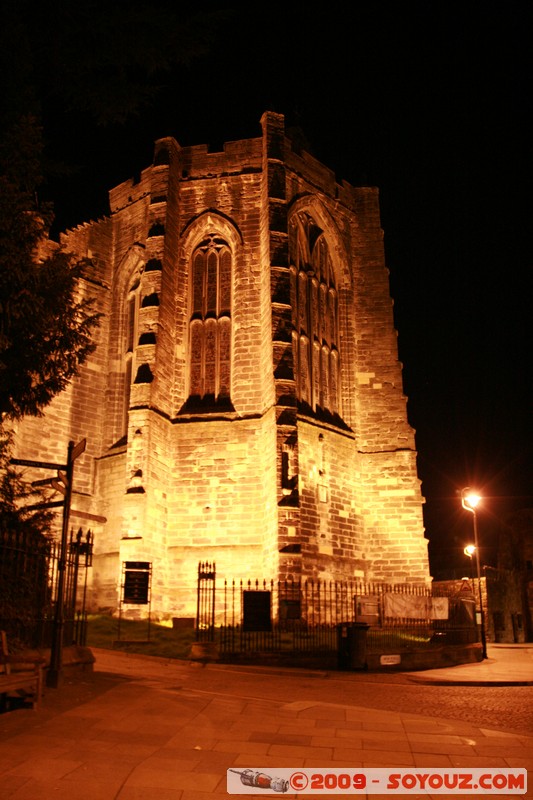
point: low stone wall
(75, 660)
(434, 658)
(438, 657)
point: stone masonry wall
(221, 503)
(78, 412)
(263, 489)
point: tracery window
(210, 323)
(130, 334)
(315, 310)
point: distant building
(510, 584)
(244, 404)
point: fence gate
(79, 558)
(205, 602)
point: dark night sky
(431, 103)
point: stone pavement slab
(141, 730)
(506, 665)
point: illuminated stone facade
(244, 404)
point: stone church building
(244, 404)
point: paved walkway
(144, 728)
(506, 665)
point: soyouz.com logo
(409, 780)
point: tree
(45, 328)
(15, 514)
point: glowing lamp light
(469, 550)
(470, 499)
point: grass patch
(164, 641)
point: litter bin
(351, 645)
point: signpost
(86, 516)
(24, 462)
(55, 672)
(48, 504)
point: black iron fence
(267, 616)
(206, 602)
(29, 574)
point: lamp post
(470, 500)
(469, 551)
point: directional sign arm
(42, 482)
(62, 476)
(49, 504)
(25, 462)
(61, 483)
(78, 450)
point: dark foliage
(15, 494)
(45, 325)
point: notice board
(137, 582)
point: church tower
(244, 404)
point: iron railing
(206, 602)
(269, 616)
(29, 574)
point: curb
(469, 682)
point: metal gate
(205, 602)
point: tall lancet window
(210, 325)
(314, 310)
(131, 319)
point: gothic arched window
(314, 310)
(130, 334)
(210, 324)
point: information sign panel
(136, 582)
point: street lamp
(470, 500)
(469, 551)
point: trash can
(351, 645)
